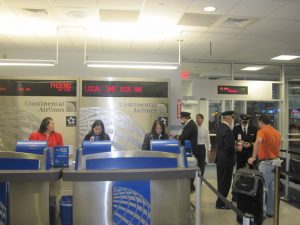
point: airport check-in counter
(130, 187)
(24, 180)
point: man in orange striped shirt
(266, 149)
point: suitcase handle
(254, 166)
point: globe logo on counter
(2, 214)
(130, 207)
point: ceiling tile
(74, 3)
(165, 17)
(287, 11)
(77, 15)
(142, 47)
(269, 24)
(116, 46)
(202, 20)
(167, 5)
(255, 8)
(222, 6)
(190, 37)
(28, 3)
(108, 15)
(295, 27)
(125, 5)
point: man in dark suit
(189, 132)
(225, 158)
(246, 134)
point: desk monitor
(34, 147)
(171, 146)
(91, 147)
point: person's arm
(255, 150)
(207, 143)
(228, 142)
(87, 136)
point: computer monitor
(91, 147)
(171, 146)
(34, 147)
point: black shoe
(222, 207)
(269, 215)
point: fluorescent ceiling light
(285, 57)
(253, 68)
(209, 9)
(132, 65)
(25, 62)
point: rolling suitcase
(248, 187)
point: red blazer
(53, 140)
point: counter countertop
(30, 175)
(128, 174)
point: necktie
(244, 130)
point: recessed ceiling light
(285, 57)
(209, 9)
(253, 68)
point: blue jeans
(269, 187)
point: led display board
(37, 87)
(124, 89)
(232, 90)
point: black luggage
(248, 188)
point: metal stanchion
(248, 219)
(198, 198)
(287, 178)
(277, 164)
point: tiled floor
(288, 215)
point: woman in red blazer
(47, 133)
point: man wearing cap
(189, 132)
(267, 149)
(246, 135)
(225, 158)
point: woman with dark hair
(97, 132)
(47, 133)
(157, 133)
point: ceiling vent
(35, 12)
(77, 14)
(240, 22)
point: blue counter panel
(131, 163)
(19, 164)
(171, 146)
